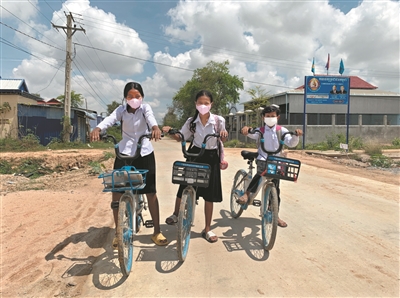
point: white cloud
(272, 43)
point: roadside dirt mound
(60, 160)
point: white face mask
(203, 109)
(270, 121)
(135, 102)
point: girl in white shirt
(137, 118)
(198, 126)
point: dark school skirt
(213, 193)
(147, 162)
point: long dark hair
(192, 125)
(133, 85)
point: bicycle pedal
(257, 203)
(148, 223)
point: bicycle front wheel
(139, 216)
(238, 190)
(185, 221)
(125, 232)
(269, 216)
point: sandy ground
(56, 230)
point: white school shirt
(134, 125)
(271, 142)
(203, 130)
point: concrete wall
(319, 133)
(9, 120)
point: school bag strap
(278, 130)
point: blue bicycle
(129, 180)
(192, 175)
(275, 167)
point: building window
(371, 119)
(341, 119)
(319, 119)
(296, 119)
(393, 119)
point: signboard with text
(327, 90)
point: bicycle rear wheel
(269, 216)
(238, 190)
(125, 232)
(185, 221)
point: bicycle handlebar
(281, 141)
(116, 146)
(186, 154)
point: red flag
(327, 63)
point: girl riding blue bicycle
(271, 131)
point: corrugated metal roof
(367, 92)
(13, 84)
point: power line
(27, 35)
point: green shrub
(396, 142)
(381, 161)
(373, 149)
(5, 167)
(29, 142)
(96, 168)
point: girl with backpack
(272, 134)
(202, 123)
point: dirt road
(342, 239)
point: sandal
(159, 239)
(282, 223)
(115, 243)
(209, 236)
(171, 220)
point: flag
(341, 67)
(327, 63)
(313, 67)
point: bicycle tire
(269, 216)
(185, 221)
(139, 216)
(238, 190)
(126, 214)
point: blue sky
(159, 43)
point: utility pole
(69, 31)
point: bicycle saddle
(249, 155)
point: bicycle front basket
(126, 178)
(279, 168)
(191, 173)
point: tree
(171, 118)
(259, 99)
(111, 107)
(76, 99)
(214, 77)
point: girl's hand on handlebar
(224, 135)
(245, 130)
(298, 132)
(156, 133)
(166, 129)
(95, 135)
